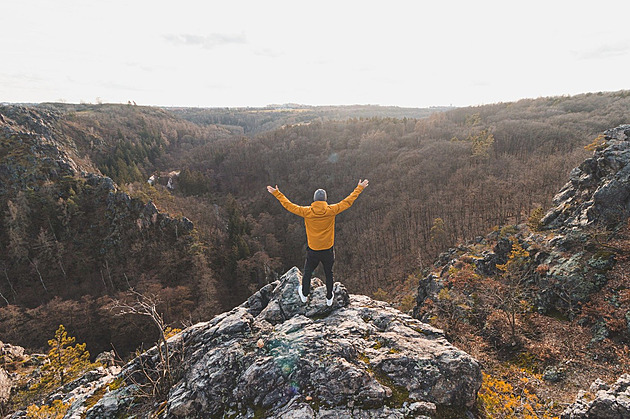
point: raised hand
(364, 183)
(271, 189)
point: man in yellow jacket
(319, 219)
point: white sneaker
(302, 297)
(329, 302)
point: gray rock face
(610, 402)
(112, 404)
(5, 386)
(599, 189)
(11, 353)
(274, 356)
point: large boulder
(274, 356)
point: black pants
(313, 258)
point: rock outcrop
(598, 191)
(565, 265)
(10, 355)
(610, 402)
(274, 356)
(33, 151)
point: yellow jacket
(319, 218)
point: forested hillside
(433, 181)
(255, 120)
(72, 241)
(451, 176)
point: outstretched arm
(349, 200)
(290, 206)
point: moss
(363, 358)
(260, 412)
(400, 394)
(230, 414)
(116, 384)
(419, 330)
(93, 399)
(603, 254)
(319, 316)
(602, 261)
(315, 404)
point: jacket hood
(319, 207)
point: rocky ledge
(274, 356)
(609, 402)
(598, 191)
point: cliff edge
(274, 356)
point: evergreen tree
(65, 362)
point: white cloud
(605, 51)
(208, 41)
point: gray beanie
(320, 195)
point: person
(319, 219)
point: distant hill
(254, 120)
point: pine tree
(65, 362)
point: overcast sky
(255, 53)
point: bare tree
(159, 377)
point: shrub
(534, 219)
(56, 411)
(598, 143)
(500, 399)
(381, 294)
(508, 230)
(407, 303)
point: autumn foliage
(434, 182)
